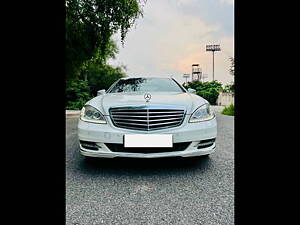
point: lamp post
(213, 49)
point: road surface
(151, 191)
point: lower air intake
(120, 148)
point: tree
(102, 76)
(77, 94)
(229, 88)
(90, 25)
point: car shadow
(136, 166)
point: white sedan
(147, 118)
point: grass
(229, 111)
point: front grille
(120, 148)
(147, 117)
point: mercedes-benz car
(147, 118)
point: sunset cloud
(172, 36)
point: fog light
(89, 145)
(205, 143)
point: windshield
(146, 85)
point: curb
(72, 113)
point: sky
(172, 35)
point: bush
(102, 76)
(211, 95)
(229, 111)
(229, 88)
(77, 94)
(99, 76)
(208, 90)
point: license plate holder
(148, 141)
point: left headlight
(92, 115)
(203, 113)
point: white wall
(225, 99)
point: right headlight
(92, 115)
(203, 113)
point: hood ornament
(147, 96)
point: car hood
(104, 102)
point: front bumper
(186, 153)
(107, 133)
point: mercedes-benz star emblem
(147, 96)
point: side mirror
(191, 90)
(101, 92)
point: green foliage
(99, 76)
(228, 110)
(229, 88)
(208, 90)
(90, 25)
(193, 84)
(77, 94)
(102, 76)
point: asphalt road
(151, 191)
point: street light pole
(213, 48)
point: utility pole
(213, 48)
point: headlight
(92, 115)
(202, 113)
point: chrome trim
(139, 124)
(175, 112)
(151, 125)
(150, 114)
(152, 120)
(148, 118)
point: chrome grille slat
(138, 124)
(150, 120)
(155, 124)
(118, 116)
(129, 120)
(132, 112)
(147, 117)
(150, 112)
(169, 112)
